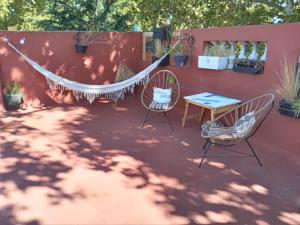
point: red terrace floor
(95, 165)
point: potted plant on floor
(248, 66)
(180, 56)
(13, 98)
(216, 58)
(288, 89)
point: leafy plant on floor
(288, 88)
(289, 81)
(12, 88)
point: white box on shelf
(212, 62)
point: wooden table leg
(185, 114)
(212, 115)
(201, 115)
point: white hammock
(113, 91)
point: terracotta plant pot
(81, 48)
(13, 101)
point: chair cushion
(244, 125)
(162, 96)
(212, 128)
(156, 105)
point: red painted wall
(283, 40)
(56, 52)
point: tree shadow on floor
(109, 139)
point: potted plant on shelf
(216, 58)
(288, 89)
(160, 50)
(83, 39)
(13, 98)
(248, 66)
(180, 56)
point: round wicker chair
(237, 125)
(164, 79)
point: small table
(213, 102)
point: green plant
(12, 88)
(289, 80)
(179, 49)
(217, 49)
(85, 38)
(296, 106)
(171, 80)
(250, 63)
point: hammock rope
(114, 91)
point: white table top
(212, 100)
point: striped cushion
(155, 105)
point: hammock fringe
(90, 92)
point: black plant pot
(246, 69)
(286, 108)
(180, 60)
(159, 33)
(81, 48)
(164, 62)
(13, 101)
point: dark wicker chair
(222, 132)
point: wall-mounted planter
(13, 101)
(180, 60)
(246, 69)
(287, 108)
(164, 62)
(248, 66)
(212, 62)
(80, 48)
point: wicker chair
(164, 79)
(237, 125)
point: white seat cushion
(244, 125)
(162, 96)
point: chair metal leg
(146, 117)
(171, 126)
(254, 153)
(207, 146)
(203, 147)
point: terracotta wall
(55, 51)
(283, 40)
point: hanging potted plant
(160, 50)
(160, 32)
(83, 39)
(248, 66)
(180, 56)
(13, 98)
(288, 89)
(216, 58)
